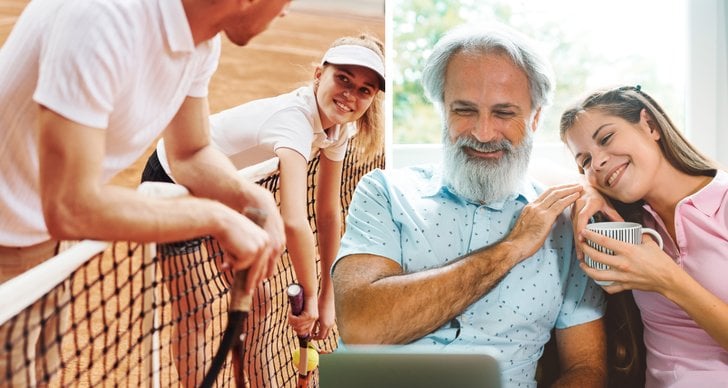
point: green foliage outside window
(580, 64)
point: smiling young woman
(631, 152)
(343, 100)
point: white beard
(485, 180)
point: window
(590, 44)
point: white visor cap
(349, 54)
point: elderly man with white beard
(473, 253)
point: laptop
(407, 366)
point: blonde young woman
(630, 151)
(344, 99)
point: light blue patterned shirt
(407, 215)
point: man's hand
(246, 246)
(538, 217)
(259, 203)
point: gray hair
(498, 39)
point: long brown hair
(370, 126)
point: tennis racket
(240, 302)
(233, 338)
(295, 298)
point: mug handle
(654, 234)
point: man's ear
(536, 118)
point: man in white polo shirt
(86, 87)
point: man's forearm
(581, 377)
(377, 303)
(210, 174)
(117, 213)
(582, 353)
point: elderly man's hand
(538, 217)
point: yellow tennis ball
(312, 361)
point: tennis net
(108, 313)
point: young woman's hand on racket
(303, 323)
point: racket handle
(240, 299)
(295, 298)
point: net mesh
(136, 315)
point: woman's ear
(648, 122)
(317, 77)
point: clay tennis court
(278, 60)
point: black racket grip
(295, 298)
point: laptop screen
(407, 366)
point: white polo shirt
(124, 66)
(251, 133)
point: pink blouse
(679, 352)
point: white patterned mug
(629, 232)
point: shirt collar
(527, 190)
(176, 27)
(709, 199)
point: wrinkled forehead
(485, 76)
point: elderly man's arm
(376, 303)
(582, 355)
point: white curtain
(707, 86)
